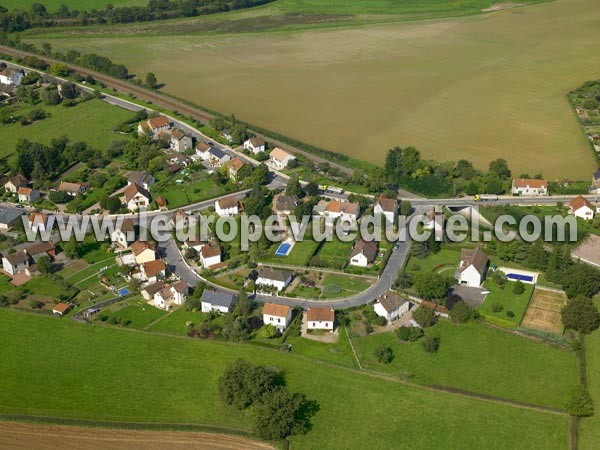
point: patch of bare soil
(26, 436)
(502, 6)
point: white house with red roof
(582, 208)
(529, 186)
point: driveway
(471, 295)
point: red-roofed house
(28, 195)
(582, 208)
(527, 186)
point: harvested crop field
(478, 87)
(25, 436)
(543, 312)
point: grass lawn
(480, 359)
(300, 254)
(335, 253)
(445, 262)
(129, 375)
(589, 427)
(338, 353)
(92, 122)
(136, 313)
(178, 195)
(509, 300)
(348, 285)
(175, 321)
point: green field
(442, 85)
(92, 122)
(80, 5)
(56, 367)
(480, 359)
(509, 300)
(589, 428)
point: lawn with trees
(63, 348)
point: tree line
(38, 15)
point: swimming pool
(519, 277)
(123, 292)
(283, 249)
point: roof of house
(134, 189)
(153, 288)
(126, 226)
(17, 257)
(387, 204)
(24, 191)
(532, 183)
(19, 180)
(161, 201)
(316, 314)
(178, 134)
(9, 215)
(179, 158)
(208, 251)
(391, 301)
(273, 309)
(256, 141)
(282, 202)
(38, 217)
(236, 164)
(367, 248)
(40, 247)
(202, 146)
(166, 293)
(139, 246)
(158, 122)
(180, 286)
(61, 307)
(137, 177)
(227, 202)
(153, 268)
(217, 298)
(343, 207)
(69, 187)
(596, 175)
(279, 154)
(11, 71)
(274, 274)
(217, 152)
(579, 202)
(474, 257)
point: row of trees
(38, 15)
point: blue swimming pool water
(123, 292)
(283, 249)
(516, 276)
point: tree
(151, 80)
(431, 285)
(243, 305)
(294, 188)
(44, 264)
(72, 248)
(500, 168)
(518, 288)
(431, 344)
(424, 316)
(112, 204)
(581, 315)
(461, 312)
(60, 69)
(280, 414)
(580, 403)
(384, 354)
(579, 279)
(405, 208)
(312, 189)
(242, 383)
(404, 280)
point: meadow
(131, 375)
(589, 427)
(480, 359)
(92, 122)
(456, 88)
(80, 5)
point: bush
(497, 307)
(384, 354)
(510, 314)
(580, 403)
(381, 321)
(416, 333)
(424, 316)
(268, 331)
(431, 344)
(518, 288)
(403, 333)
(461, 312)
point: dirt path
(25, 436)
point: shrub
(424, 316)
(461, 312)
(510, 314)
(518, 288)
(416, 333)
(431, 344)
(403, 333)
(268, 331)
(580, 403)
(497, 307)
(381, 321)
(384, 354)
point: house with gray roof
(472, 267)
(217, 301)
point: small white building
(73, 189)
(11, 75)
(142, 179)
(14, 263)
(154, 126)
(227, 207)
(180, 141)
(391, 306)
(528, 186)
(345, 211)
(255, 145)
(210, 256)
(582, 208)
(152, 271)
(388, 207)
(277, 278)
(472, 267)
(15, 183)
(143, 251)
(280, 158)
(217, 301)
(320, 318)
(173, 294)
(28, 195)
(38, 222)
(211, 154)
(279, 316)
(123, 234)
(364, 253)
(136, 197)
